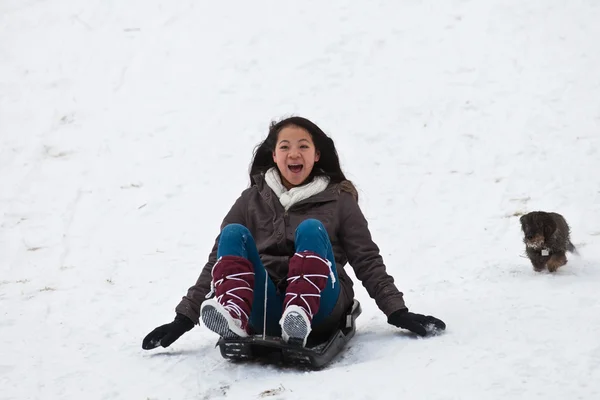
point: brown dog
(547, 239)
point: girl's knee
(234, 240)
(310, 225)
(231, 231)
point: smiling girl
(277, 266)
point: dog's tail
(571, 247)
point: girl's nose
(294, 153)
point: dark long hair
(328, 164)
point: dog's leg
(538, 264)
(538, 261)
(538, 268)
(556, 261)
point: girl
(277, 267)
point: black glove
(422, 325)
(166, 334)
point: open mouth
(295, 168)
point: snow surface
(126, 131)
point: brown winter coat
(273, 229)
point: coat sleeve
(364, 257)
(190, 303)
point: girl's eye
(283, 147)
(304, 146)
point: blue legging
(236, 240)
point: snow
(126, 132)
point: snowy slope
(126, 130)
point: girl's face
(295, 155)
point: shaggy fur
(547, 239)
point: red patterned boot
(227, 314)
(307, 277)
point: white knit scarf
(288, 198)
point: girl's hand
(422, 325)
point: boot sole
(295, 329)
(216, 322)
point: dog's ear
(549, 228)
(523, 219)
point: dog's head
(537, 227)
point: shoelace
(305, 277)
(230, 305)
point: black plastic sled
(274, 349)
